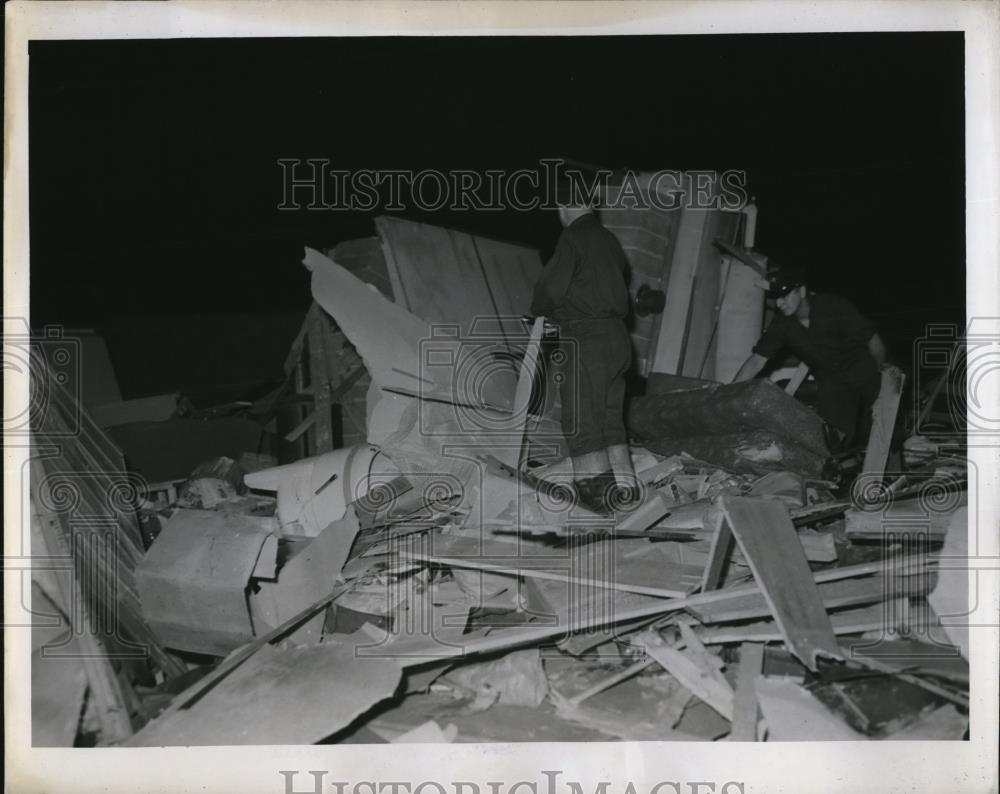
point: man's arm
(877, 348)
(754, 364)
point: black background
(155, 184)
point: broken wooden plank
(654, 508)
(771, 546)
(450, 641)
(703, 681)
(883, 422)
(795, 715)
(615, 678)
(745, 708)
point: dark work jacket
(834, 345)
(585, 279)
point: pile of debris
(413, 596)
(435, 585)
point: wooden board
(574, 617)
(608, 564)
(668, 347)
(691, 669)
(771, 546)
(851, 621)
(745, 707)
(883, 422)
(834, 595)
(442, 275)
(295, 695)
(794, 715)
(306, 577)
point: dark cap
(784, 281)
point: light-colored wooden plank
(771, 546)
(745, 707)
(794, 715)
(702, 680)
(797, 379)
(295, 695)
(668, 350)
(852, 621)
(883, 421)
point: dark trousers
(846, 403)
(596, 355)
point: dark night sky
(155, 184)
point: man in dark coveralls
(582, 289)
(840, 346)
